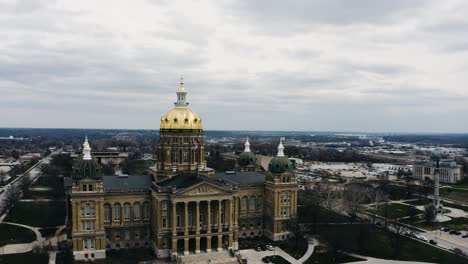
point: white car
(269, 247)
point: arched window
(116, 212)
(260, 203)
(252, 203)
(136, 211)
(146, 211)
(90, 187)
(127, 208)
(244, 203)
(88, 209)
(85, 188)
(107, 212)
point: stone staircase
(222, 257)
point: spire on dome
(86, 150)
(181, 94)
(281, 148)
(247, 145)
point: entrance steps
(222, 257)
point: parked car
(270, 247)
(457, 233)
(433, 242)
(444, 229)
(465, 236)
(452, 232)
(258, 248)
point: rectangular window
(164, 222)
(117, 235)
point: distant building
(449, 171)
(110, 158)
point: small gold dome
(181, 118)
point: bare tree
(25, 182)
(3, 176)
(354, 195)
(11, 196)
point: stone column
(220, 203)
(173, 219)
(197, 245)
(186, 246)
(208, 219)
(236, 210)
(230, 241)
(197, 217)
(220, 242)
(174, 246)
(77, 215)
(230, 215)
(208, 244)
(186, 218)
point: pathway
(254, 256)
(382, 261)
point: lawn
(420, 201)
(25, 258)
(38, 214)
(370, 241)
(11, 234)
(457, 206)
(312, 214)
(322, 255)
(394, 210)
(454, 194)
(460, 223)
(48, 231)
(276, 260)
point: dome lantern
(247, 145)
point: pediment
(203, 189)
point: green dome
(280, 165)
(85, 168)
(247, 158)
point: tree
(11, 197)
(24, 182)
(354, 195)
(430, 213)
(3, 176)
(412, 213)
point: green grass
(48, 232)
(322, 255)
(370, 241)
(454, 194)
(460, 223)
(38, 214)
(312, 214)
(25, 258)
(11, 234)
(457, 206)
(276, 259)
(394, 210)
(420, 201)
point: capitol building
(186, 209)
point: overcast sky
(331, 65)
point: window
(244, 203)
(252, 203)
(117, 235)
(136, 211)
(126, 212)
(107, 213)
(88, 243)
(164, 222)
(88, 209)
(164, 206)
(117, 212)
(178, 219)
(137, 234)
(85, 188)
(145, 211)
(146, 233)
(127, 235)
(260, 203)
(190, 218)
(90, 187)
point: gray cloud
(267, 65)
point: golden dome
(181, 118)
